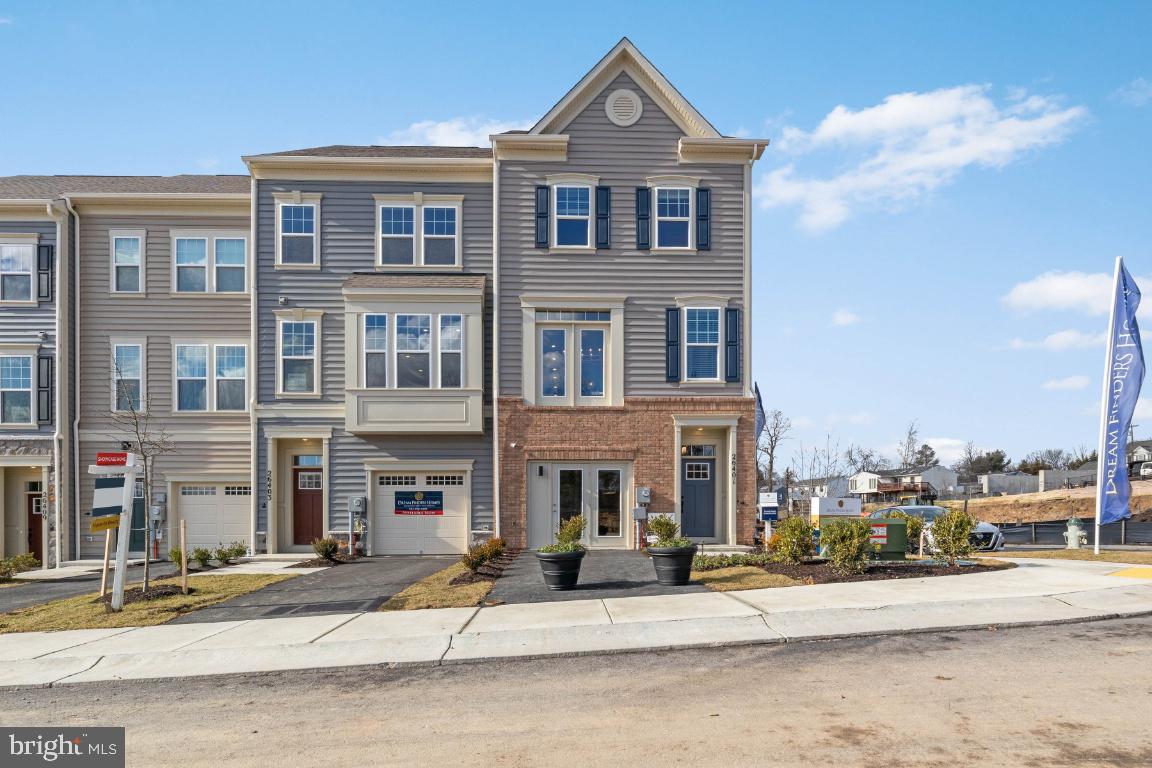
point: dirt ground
(1013, 697)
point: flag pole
(1102, 445)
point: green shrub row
(10, 566)
(479, 554)
(203, 556)
(716, 562)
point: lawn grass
(1119, 556)
(741, 577)
(85, 612)
(435, 592)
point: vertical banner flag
(1123, 375)
(760, 417)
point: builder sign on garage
(419, 503)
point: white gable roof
(625, 57)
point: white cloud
(6, 20)
(1069, 382)
(909, 145)
(1087, 293)
(948, 449)
(843, 317)
(1136, 93)
(453, 132)
(859, 418)
(1062, 340)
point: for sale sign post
(106, 503)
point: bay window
(429, 351)
(413, 351)
(376, 351)
(451, 351)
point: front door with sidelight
(698, 497)
(597, 493)
(307, 505)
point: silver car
(986, 537)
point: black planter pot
(561, 569)
(673, 564)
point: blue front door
(698, 498)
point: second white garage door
(216, 513)
(421, 513)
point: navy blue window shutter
(603, 217)
(44, 389)
(44, 257)
(704, 219)
(542, 195)
(731, 345)
(672, 341)
(643, 218)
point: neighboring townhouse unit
(34, 431)
(473, 341)
(623, 279)
(374, 273)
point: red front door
(307, 505)
(35, 526)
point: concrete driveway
(362, 585)
(604, 573)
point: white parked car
(986, 537)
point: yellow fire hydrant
(1075, 537)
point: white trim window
(17, 265)
(572, 222)
(16, 385)
(127, 264)
(451, 341)
(572, 350)
(413, 351)
(127, 377)
(397, 235)
(375, 351)
(296, 233)
(674, 217)
(191, 377)
(702, 343)
(441, 240)
(231, 366)
(230, 260)
(297, 347)
(191, 255)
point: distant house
(820, 488)
(907, 484)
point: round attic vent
(623, 107)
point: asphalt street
(1068, 695)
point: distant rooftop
(377, 150)
(40, 187)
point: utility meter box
(643, 495)
(891, 538)
(156, 512)
(358, 506)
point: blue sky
(947, 182)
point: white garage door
(216, 513)
(421, 513)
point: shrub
(176, 555)
(238, 549)
(479, 554)
(915, 524)
(568, 536)
(223, 554)
(848, 544)
(326, 548)
(715, 562)
(10, 566)
(667, 532)
(951, 534)
(794, 540)
(202, 556)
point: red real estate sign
(112, 459)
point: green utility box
(892, 536)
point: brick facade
(642, 431)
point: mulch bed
(819, 572)
(490, 571)
(155, 592)
(319, 562)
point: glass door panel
(608, 503)
(570, 492)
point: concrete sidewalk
(1037, 592)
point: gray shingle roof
(415, 280)
(41, 187)
(376, 150)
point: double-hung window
(17, 262)
(191, 264)
(128, 376)
(231, 367)
(127, 264)
(413, 351)
(298, 234)
(16, 389)
(673, 217)
(451, 351)
(230, 259)
(573, 205)
(376, 351)
(439, 236)
(191, 377)
(397, 234)
(702, 344)
(298, 356)
(573, 356)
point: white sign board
(834, 507)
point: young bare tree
(131, 423)
(909, 446)
(817, 462)
(777, 428)
(860, 459)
